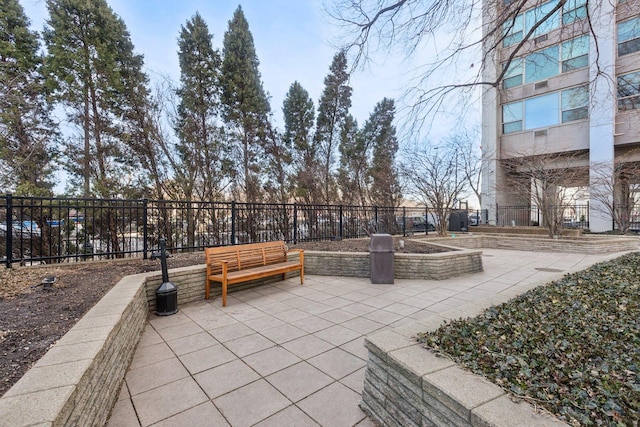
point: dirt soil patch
(32, 318)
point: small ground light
(48, 282)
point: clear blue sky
(292, 38)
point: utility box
(381, 259)
(459, 220)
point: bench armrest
(300, 251)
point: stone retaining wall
(586, 245)
(437, 266)
(77, 381)
(407, 385)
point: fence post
(340, 234)
(426, 219)
(145, 246)
(9, 241)
(375, 216)
(295, 223)
(233, 222)
(404, 221)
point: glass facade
(629, 36)
(629, 91)
(546, 110)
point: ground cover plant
(571, 346)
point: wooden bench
(241, 263)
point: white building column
(490, 122)
(603, 107)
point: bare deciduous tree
(430, 176)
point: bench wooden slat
(241, 263)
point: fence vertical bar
(145, 230)
(404, 221)
(9, 242)
(340, 234)
(426, 219)
(233, 222)
(375, 217)
(295, 223)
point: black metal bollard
(167, 292)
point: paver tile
(299, 381)
(337, 363)
(307, 346)
(290, 416)
(231, 332)
(206, 358)
(250, 404)
(347, 414)
(337, 335)
(203, 415)
(283, 333)
(151, 376)
(249, 344)
(170, 399)
(151, 354)
(191, 343)
(271, 360)
(225, 378)
(312, 324)
(123, 415)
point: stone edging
(407, 385)
(584, 245)
(436, 266)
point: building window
(513, 75)
(512, 117)
(575, 104)
(535, 15)
(575, 54)
(629, 91)
(512, 30)
(541, 111)
(542, 64)
(629, 36)
(574, 10)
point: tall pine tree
(245, 104)
(27, 133)
(205, 166)
(92, 69)
(299, 117)
(380, 133)
(353, 173)
(332, 113)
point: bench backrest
(241, 257)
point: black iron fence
(36, 230)
(572, 216)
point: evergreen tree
(93, 70)
(299, 116)
(353, 173)
(380, 132)
(27, 133)
(332, 113)
(245, 104)
(205, 163)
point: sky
(293, 39)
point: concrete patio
(292, 355)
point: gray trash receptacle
(381, 258)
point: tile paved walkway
(291, 355)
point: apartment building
(570, 93)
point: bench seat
(242, 263)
